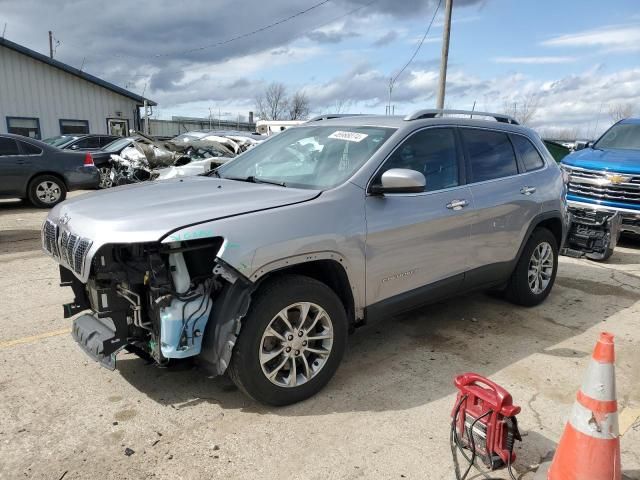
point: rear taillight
(88, 160)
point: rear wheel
(45, 191)
(105, 177)
(292, 341)
(535, 273)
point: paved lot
(385, 415)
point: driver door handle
(457, 204)
(527, 190)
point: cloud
(534, 60)
(330, 36)
(385, 39)
(611, 37)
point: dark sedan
(83, 142)
(33, 170)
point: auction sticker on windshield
(348, 136)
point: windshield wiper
(252, 179)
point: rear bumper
(630, 219)
(83, 178)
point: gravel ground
(385, 414)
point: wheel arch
(58, 175)
(552, 221)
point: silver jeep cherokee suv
(261, 268)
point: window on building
(8, 146)
(29, 127)
(29, 149)
(490, 155)
(69, 127)
(528, 153)
(431, 152)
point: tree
(620, 111)
(524, 110)
(299, 106)
(272, 103)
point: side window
(490, 155)
(431, 152)
(29, 149)
(70, 127)
(89, 142)
(104, 141)
(8, 146)
(528, 153)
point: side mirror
(73, 147)
(582, 144)
(399, 180)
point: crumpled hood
(147, 211)
(619, 161)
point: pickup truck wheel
(535, 272)
(45, 191)
(291, 342)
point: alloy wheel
(48, 192)
(540, 268)
(296, 344)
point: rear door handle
(527, 190)
(457, 204)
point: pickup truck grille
(604, 186)
(67, 248)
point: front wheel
(105, 177)
(292, 341)
(535, 272)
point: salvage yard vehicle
(260, 272)
(604, 191)
(33, 170)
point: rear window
(528, 153)
(490, 153)
(8, 146)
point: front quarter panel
(332, 226)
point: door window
(431, 152)
(8, 146)
(29, 149)
(104, 141)
(490, 153)
(70, 127)
(528, 153)
(28, 127)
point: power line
(247, 34)
(424, 37)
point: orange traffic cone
(590, 446)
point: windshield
(309, 157)
(625, 136)
(116, 145)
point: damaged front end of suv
(152, 299)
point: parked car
(102, 158)
(260, 271)
(604, 189)
(82, 142)
(33, 170)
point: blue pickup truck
(604, 190)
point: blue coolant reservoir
(184, 319)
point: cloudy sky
(575, 58)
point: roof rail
(433, 113)
(330, 116)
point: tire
(46, 191)
(256, 344)
(519, 290)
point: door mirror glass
(400, 180)
(73, 147)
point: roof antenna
(4, 29)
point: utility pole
(445, 53)
(50, 44)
